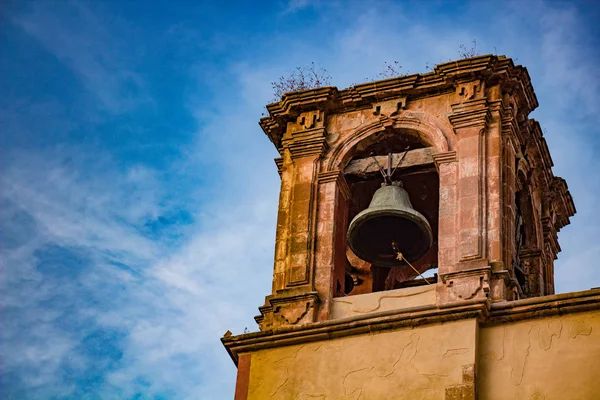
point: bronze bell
(390, 225)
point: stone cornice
(367, 323)
(540, 143)
(554, 187)
(487, 313)
(279, 163)
(563, 200)
(544, 306)
(443, 78)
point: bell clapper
(400, 257)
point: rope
(400, 257)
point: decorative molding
(544, 306)
(561, 197)
(279, 163)
(287, 335)
(444, 158)
(486, 68)
(310, 142)
(471, 113)
(329, 176)
(470, 90)
(525, 253)
(287, 310)
(310, 119)
(489, 314)
(550, 236)
(339, 179)
(467, 284)
(342, 153)
(293, 315)
(390, 107)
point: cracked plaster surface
(550, 358)
(381, 301)
(404, 364)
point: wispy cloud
(293, 6)
(69, 240)
(93, 50)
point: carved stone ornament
(468, 284)
(470, 90)
(291, 310)
(309, 119)
(294, 314)
(390, 107)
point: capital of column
(338, 177)
(444, 158)
(470, 114)
(309, 142)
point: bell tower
(416, 216)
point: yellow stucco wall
(405, 364)
(554, 358)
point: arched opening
(420, 180)
(526, 257)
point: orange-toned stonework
(479, 170)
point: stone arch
(430, 132)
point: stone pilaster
(294, 298)
(330, 250)
(467, 274)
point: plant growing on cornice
(390, 70)
(302, 78)
(463, 52)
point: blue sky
(138, 194)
